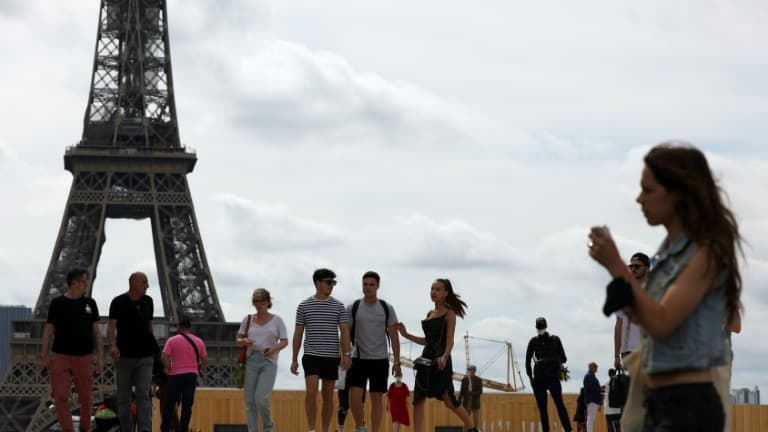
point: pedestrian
(612, 414)
(693, 289)
(184, 355)
(435, 377)
(470, 393)
(265, 335)
(592, 395)
(373, 324)
(132, 346)
(73, 323)
(547, 352)
(326, 323)
(397, 403)
(626, 334)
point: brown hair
(454, 302)
(682, 168)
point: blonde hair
(261, 294)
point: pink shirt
(182, 354)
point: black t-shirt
(73, 321)
(134, 337)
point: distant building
(7, 315)
(745, 396)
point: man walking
(469, 395)
(548, 354)
(184, 356)
(323, 318)
(373, 323)
(132, 346)
(73, 322)
(626, 334)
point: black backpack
(619, 389)
(355, 306)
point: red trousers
(64, 370)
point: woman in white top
(265, 335)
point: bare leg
(395, 427)
(328, 387)
(418, 416)
(356, 404)
(459, 411)
(310, 400)
(377, 411)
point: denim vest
(699, 341)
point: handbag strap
(194, 347)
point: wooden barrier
(500, 413)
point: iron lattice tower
(129, 164)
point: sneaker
(361, 429)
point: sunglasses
(635, 266)
(330, 282)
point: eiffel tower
(129, 164)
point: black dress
(430, 381)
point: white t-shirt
(264, 336)
(630, 333)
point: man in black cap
(547, 352)
(626, 334)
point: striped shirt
(321, 319)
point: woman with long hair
(434, 377)
(693, 288)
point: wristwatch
(346, 354)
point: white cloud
(480, 147)
(260, 225)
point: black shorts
(326, 368)
(375, 371)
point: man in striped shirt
(323, 319)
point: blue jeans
(180, 388)
(260, 375)
(684, 408)
(134, 372)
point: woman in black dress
(436, 380)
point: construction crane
(513, 372)
(496, 385)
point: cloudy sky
(471, 140)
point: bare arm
(48, 332)
(450, 319)
(99, 342)
(298, 334)
(413, 338)
(395, 340)
(660, 318)
(166, 359)
(735, 324)
(113, 351)
(346, 359)
(282, 343)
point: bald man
(132, 346)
